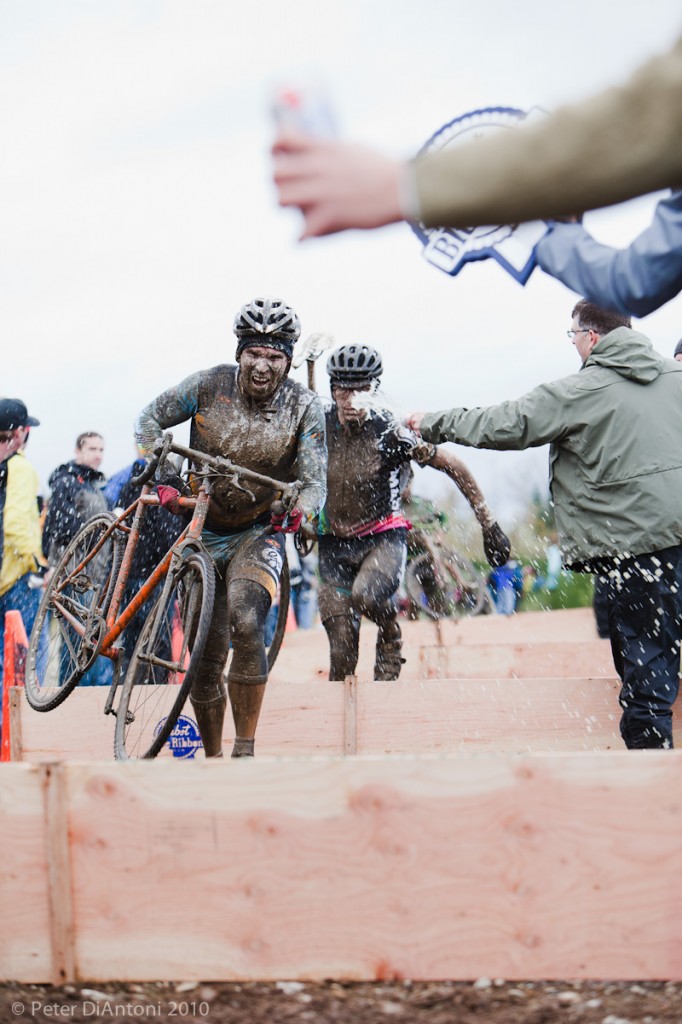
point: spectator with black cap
(19, 518)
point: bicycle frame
(116, 623)
(191, 536)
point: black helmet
(268, 322)
(353, 366)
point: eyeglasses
(581, 330)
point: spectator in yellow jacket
(20, 542)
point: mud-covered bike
(81, 615)
(439, 582)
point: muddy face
(346, 410)
(261, 371)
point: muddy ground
(286, 1002)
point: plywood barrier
(432, 715)
(297, 719)
(563, 625)
(436, 653)
(25, 928)
(521, 867)
(561, 643)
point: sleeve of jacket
(537, 418)
(21, 517)
(176, 405)
(636, 280)
(311, 460)
(621, 143)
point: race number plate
(511, 245)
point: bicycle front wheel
(70, 623)
(282, 612)
(167, 653)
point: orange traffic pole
(16, 649)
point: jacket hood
(628, 353)
(93, 476)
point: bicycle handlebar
(146, 474)
(164, 445)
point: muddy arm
(495, 542)
(448, 463)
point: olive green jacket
(621, 143)
(615, 430)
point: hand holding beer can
(304, 110)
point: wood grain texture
(538, 866)
(25, 950)
(16, 696)
(430, 715)
(59, 873)
(350, 716)
(533, 644)
(417, 716)
(296, 719)
(505, 715)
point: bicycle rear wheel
(167, 653)
(71, 619)
(469, 595)
(451, 588)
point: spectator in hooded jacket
(77, 494)
(616, 484)
(159, 531)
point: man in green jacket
(616, 484)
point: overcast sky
(138, 212)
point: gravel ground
(484, 1001)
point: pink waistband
(393, 522)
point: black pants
(600, 605)
(644, 598)
(360, 576)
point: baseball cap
(13, 414)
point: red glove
(168, 497)
(283, 522)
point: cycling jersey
(365, 475)
(282, 437)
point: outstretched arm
(448, 463)
(622, 143)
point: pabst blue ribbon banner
(511, 245)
